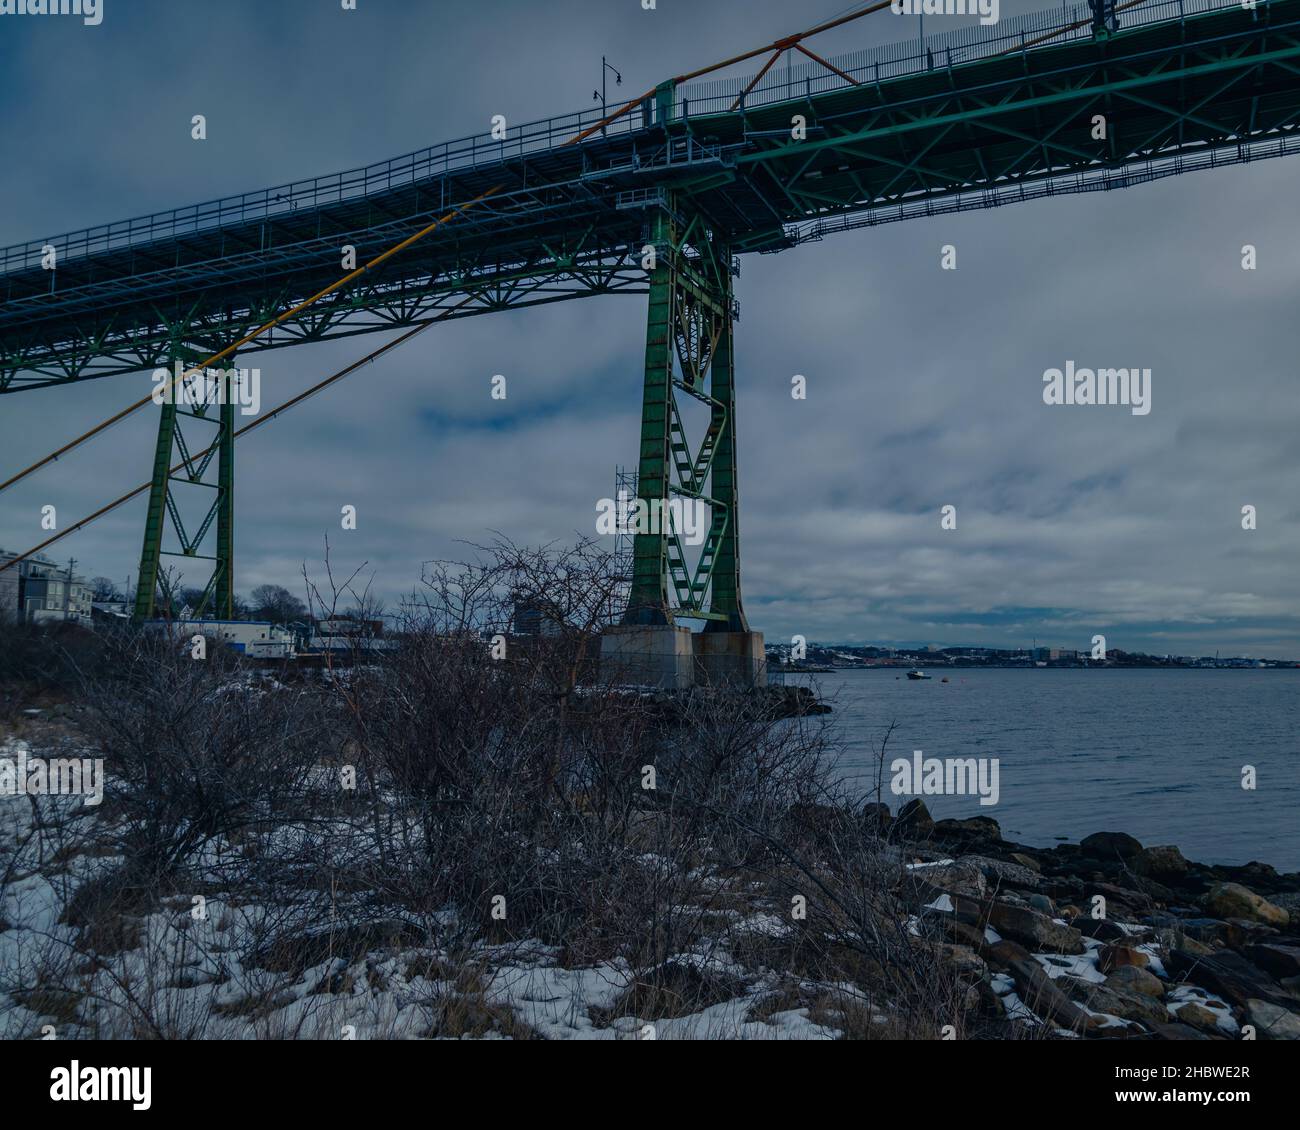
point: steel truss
(689, 350)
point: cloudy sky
(924, 385)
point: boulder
(1120, 956)
(1042, 903)
(964, 961)
(1271, 1021)
(958, 878)
(974, 828)
(920, 895)
(1119, 1002)
(1036, 990)
(1124, 898)
(876, 817)
(1108, 845)
(1212, 932)
(1102, 928)
(1002, 873)
(1025, 861)
(1034, 929)
(915, 821)
(1135, 979)
(1163, 861)
(1235, 979)
(1275, 958)
(1199, 1017)
(1290, 902)
(1232, 900)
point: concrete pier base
(656, 655)
(733, 659)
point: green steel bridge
(661, 198)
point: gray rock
(960, 878)
(1135, 979)
(1232, 900)
(1199, 1017)
(1034, 929)
(914, 819)
(1036, 989)
(1272, 1022)
(1000, 872)
(1120, 956)
(1119, 1002)
(1276, 958)
(1161, 862)
(975, 827)
(1228, 974)
(1108, 845)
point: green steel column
(155, 516)
(724, 596)
(225, 566)
(665, 96)
(648, 602)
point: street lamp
(599, 95)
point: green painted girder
(571, 220)
(217, 597)
(688, 350)
(1214, 80)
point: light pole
(599, 95)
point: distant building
(350, 627)
(534, 617)
(111, 611)
(39, 590)
(258, 639)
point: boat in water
(917, 673)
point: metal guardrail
(481, 150)
(935, 52)
(475, 151)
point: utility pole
(67, 589)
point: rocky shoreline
(1107, 937)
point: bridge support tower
(686, 555)
(211, 418)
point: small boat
(917, 673)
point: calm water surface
(1158, 754)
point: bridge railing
(483, 151)
(916, 56)
(476, 151)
